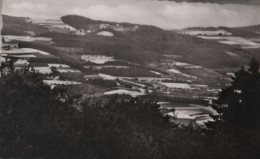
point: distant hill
(253, 29)
(150, 44)
(144, 45)
(19, 26)
(247, 31)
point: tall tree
(240, 101)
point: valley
(189, 66)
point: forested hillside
(18, 26)
(149, 44)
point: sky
(166, 14)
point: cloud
(164, 14)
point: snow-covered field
(211, 37)
(199, 86)
(18, 62)
(43, 70)
(180, 64)
(229, 42)
(24, 51)
(9, 38)
(107, 77)
(197, 115)
(183, 74)
(177, 85)
(232, 40)
(123, 91)
(66, 70)
(157, 73)
(105, 33)
(186, 65)
(59, 65)
(98, 59)
(61, 68)
(245, 43)
(241, 41)
(174, 71)
(59, 82)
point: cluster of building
(115, 27)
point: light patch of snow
(229, 42)
(43, 70)
(177, 85)
(245, 43)
(60, 82)
(230, 53)
(134, 83)
(68, 71)
(59, 65)
(80, 32)
(199, 85)
(242, 41)
(189, 76)
(186, 114)
(211, 37)
(105, 33)
(98, 59)
(122, 91)
(186, 65)
(23, 51)
(180, 64)
(157, 73)
(174, 71)
(194, 67)
(21, 62)
(231, 74)
(107, 77)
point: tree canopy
(35, 123)
(240, 101)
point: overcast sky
(165, 14)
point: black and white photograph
(130, 79)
